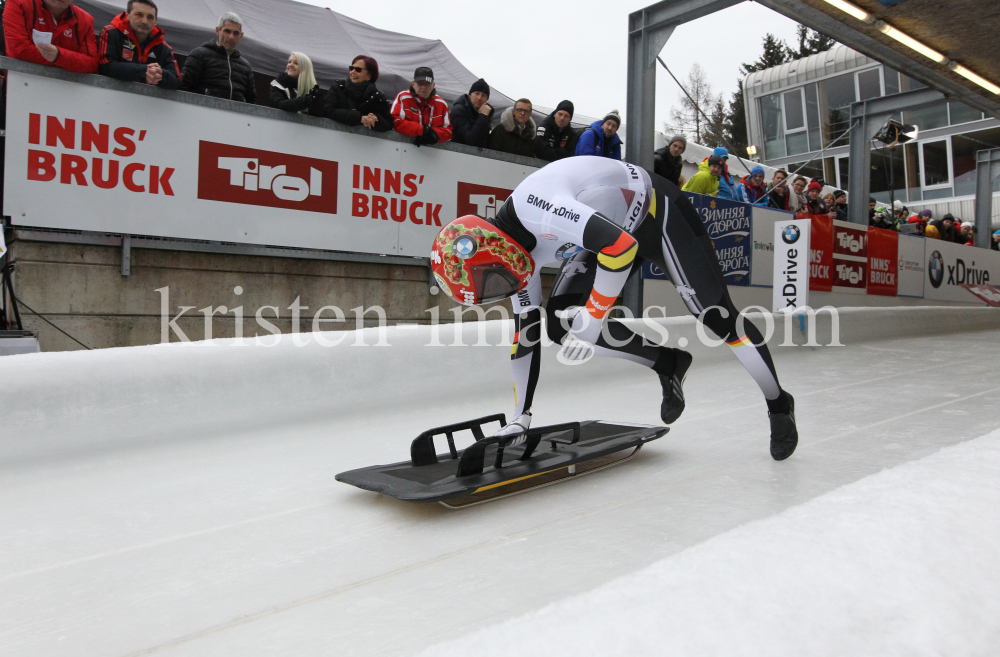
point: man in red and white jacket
(420, 113)
(51, 32)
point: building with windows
(797, 117)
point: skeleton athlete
(600, 218)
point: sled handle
(422, 450)
(473, 459)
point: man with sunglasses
(600, 219)
(420, 113)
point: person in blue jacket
(727, 186)
(601, 138)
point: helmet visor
(494, 282)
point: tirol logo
(935, 269)
(464, 247)
(790, 235)
(568, 250)
(480, 200)
(234, 174)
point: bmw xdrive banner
(791, 265)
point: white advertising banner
(86, 158)
(951, 265)
(791, 265)
(912, 266)
(762, 236)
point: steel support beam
(987, 171)
(866, 119)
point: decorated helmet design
(475, 262)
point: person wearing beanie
(727, 186)
(815, 203)
(601, 138)
(667, 161)
(751, 188)
(515, 134)
(840, 204)
(946, 228)
(471, 116)
(706, 181)
(556, 138)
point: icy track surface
(180, 500)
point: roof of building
(800, 71)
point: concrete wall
(80, 288)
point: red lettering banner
(850, 257)
(820, 253)
(883, 261)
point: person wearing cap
(515, 134)
(556, 138)
(945, 227)
(727, 186)
(706, 181)
(601, 138)
(968, 233)
(667, 161)
(751, 188)
(420, 113)
(471, 116)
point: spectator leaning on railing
(420, 113)
(780, 196)
(667, 161)
(556, 138)
(295, 89)
(217, 69)
(133, 49)
(356, 100)
(751, 188)
(50, 32)
(515, 133)
(471, 116)
(706, 181)
(814, 204)
(840, 204)
(601, 138)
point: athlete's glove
(578, 345)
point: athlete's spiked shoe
(673, 391)
(784, 435)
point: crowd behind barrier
(134, 48)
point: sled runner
(492, 468)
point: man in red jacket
(420, 113)
(51, 32)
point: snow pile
(900, 563)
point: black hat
(423, 74)
(565, 106)
(480, 85)
(715, 159)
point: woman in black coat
(357, 101)
(296, 90)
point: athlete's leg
(686, 253)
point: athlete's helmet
(932, 232)
(475, 262)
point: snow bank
(903, 562)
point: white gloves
(578, 345)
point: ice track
(179, 500)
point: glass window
(906, 83)
(891, 81)
(995, 176)
(812, 117)
(963, 157)
(888, 174)
(944, 192)
(844, 166)
(962, 113)
(869, 84)
(835, 98)
(774, 131)
(928, 118)
(829, 170)
(795, 118)
(812, 170)
(935, 163)
(912, 153)
(797, 143)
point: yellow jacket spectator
(706, 181)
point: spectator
(600, 138)
(995, 242)
(871, 209)
(420, 113)
(667, 161)
(780, 196)
(556, 138)
(706, 181)
(840, 204)
(884, 219)
(356, 100)
(829, 203)
(216, 67)
(515, 133)
(727, 186)
(968, 233)
(799, 187)
(50, 32)
(920, 221)
(295, 89)
(814, 203)
(945, 227)
(471, 116)
(133, 49)
(751, 189)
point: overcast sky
(548, 51)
